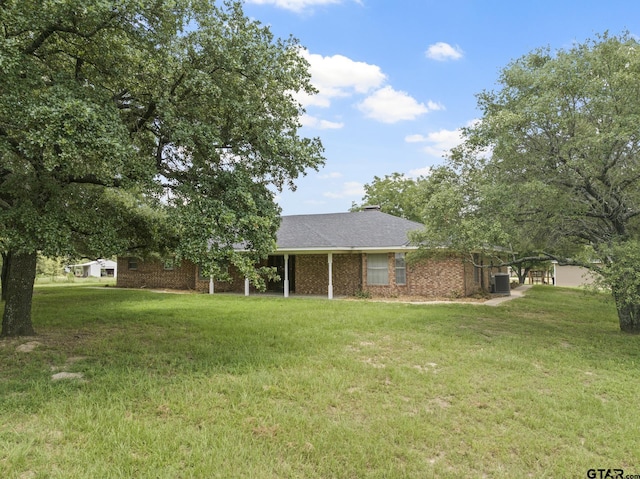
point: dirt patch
(441, 403)
(64, 375)
(28, 347)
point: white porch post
(210, 284)
(286, 275)
(246, 286)
(330, 259)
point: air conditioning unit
(501, 284)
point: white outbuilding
(101, 268)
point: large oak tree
(125, 124)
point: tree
(397, 195)
(467, 211)
(130, 125)
(553, 163)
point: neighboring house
(331, 254)
(99, 268)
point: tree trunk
(629, 316)
(522, 274)
(19, 288)
(6, 260)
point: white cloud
(442, 51)
(313, 122)
(442, 141)
(349, 189)
(295, 5)
(390, 106)
(439, 142)
(415, 138)
(433, 106)
(338, 76)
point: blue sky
(398, 78)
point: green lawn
(181, 386)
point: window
(401, 269)
(132, 263)
(377, 269)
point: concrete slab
(515, 293)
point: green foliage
(146, 126)
(363, 294)
(51, 267)
(396, 195)
(553, 165)
(115, 112)
(621, 271)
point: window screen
(401, 269)
(377, 269)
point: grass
(182, 386)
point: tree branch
(57, 27)
(94, 180)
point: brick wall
(152, 274)
(312, 274)
(442, 277)
(236, 285)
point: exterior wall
(438, 278)
(151, 274)
(442, 277)
(346, 274)
(477, 279)
(236, 285)
(312, 274)
(428, 278)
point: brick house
(330, 254)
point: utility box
(501, 284)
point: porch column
(210, 284)
(286, 275)
(246, 286)
(330, 259)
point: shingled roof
(355, 230)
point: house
(99, 268)
(338, 254)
